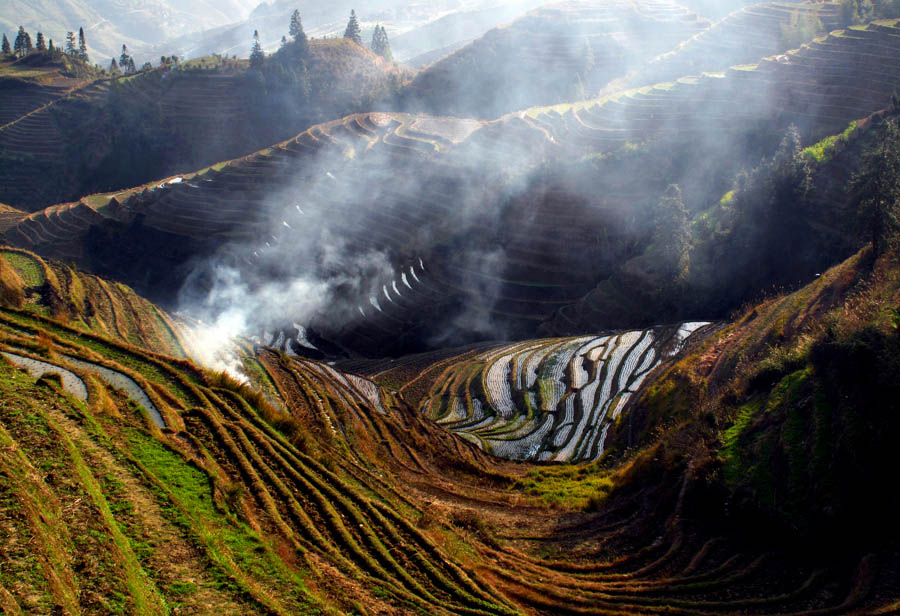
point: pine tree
(296, 28)
(124, 58)
(40, 45)
(791, 177)
(82, 46)
(28, 46)
(51, 48)
(257, 57)
(6, 48)
(70, 44)
(353, 32)
(672, 237)
(380, 44)
(877, 187)
(376, 40)
(131, 67)
(113, 67)
(296, 31)
(19, 44)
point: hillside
(604, 321)
(756, 31)
(782, 410)
(450, 32)
(356, 504)
(531, 249)
(411, 27)
(558, 52)
(107, 25)
(115, 133)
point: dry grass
(12, 290)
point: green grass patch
(730, 453)
(824, 150)
(232, 546)
(28, 268)
(569, 486)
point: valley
(595, 313)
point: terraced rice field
(742, 37)
(335, 496)
(539, 58)
(821, 87)
(549, 399)
(96, 306)
(9, 216)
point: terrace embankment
(67, 138)
(317, 491)
(473, 222)
(561, 51)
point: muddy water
(70, 381)
(125, 383)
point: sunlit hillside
(597, 312)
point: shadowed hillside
(166, 487)
(519, 250)
(63, 141)
(282, 348)
(558, 52)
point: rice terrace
(475, 307)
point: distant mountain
(109, 23)
(413, 29)
(454, 30)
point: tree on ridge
(40, 43)
(353, 32)
(256, 53)
(22, 44)
(6, 47)
(70, 44)
(380, 43)
(296, 31)
(82, 45)
(124, 58)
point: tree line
(297, 46)
(22, 46)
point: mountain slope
(756, 31)
(518, 249)
(143, 484)
(410, 26)
(558, 52)
(63, 141)
(107, 25)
